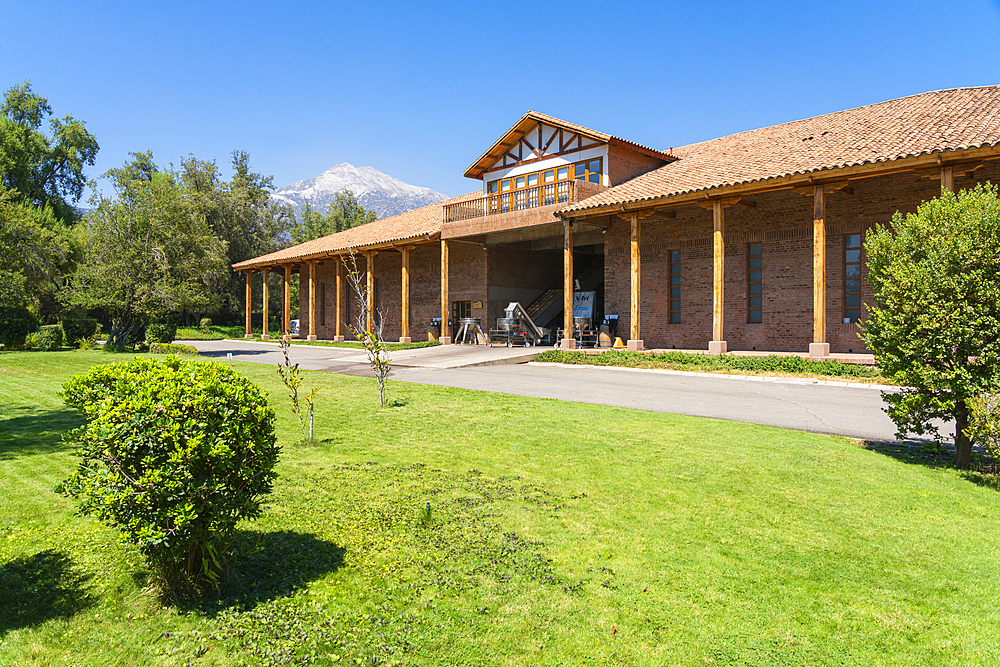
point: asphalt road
(852, 411)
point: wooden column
(404, 331)
(286, 312)
(635, 295)
(265, 295)
(568, 341)
(819, 347)
(948, 179)
(249, 276)
(445, 304)
(718, 344)
(312, 300)
(339, 335)
(370, 289)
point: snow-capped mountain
(375, 191)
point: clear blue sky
(418, 90)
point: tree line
(160, 244)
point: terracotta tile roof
(944, 120)
(413, 224)
(512, 136)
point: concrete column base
(249, 336)
(265, 337)
(338, 339)
(405, 339)
(310, 337)
(819, 350)
(635, 345)
(568, 344)
(445, 340)
(717, 347)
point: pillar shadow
(28, 431)
(41, 587)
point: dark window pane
(594, 165)
(853, 300)
(854, 314)
(754, 316)
(854, 240)
(853, 270)
(755, 276)
(755, 289)
(675, 292)
(581, 170)
(675, 255)
(675, 318)
(675, 280)
(595, 178)
(755, 262)
(754, 248)
(853, 256)
(755, 302)
(854, 285)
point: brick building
(750, 241)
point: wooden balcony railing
(562, 192)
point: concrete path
(847, 409)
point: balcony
(511, 210)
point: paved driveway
(853, 411)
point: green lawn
(221, 333)
(559, 534)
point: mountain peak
(375, 190)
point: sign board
(583, 304)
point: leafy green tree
(935, 325)
(344, 213)
(33, 245)
(147, 252)
(241, 213)
(44, 170)
(174, 454)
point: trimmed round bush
(205, 323)
(174, 454)
(15, 324)
(50, 337)
(161, 333)
(78, 328)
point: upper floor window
(588, 170)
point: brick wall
(625, 164)
(782, 223)
(517, 274)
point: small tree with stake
(289, 373)
(373, 340)
(935, 325)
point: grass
(221, 333)
(744, 365)
(557, 534)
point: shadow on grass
(28, 431)
(41, 587)
(266, 566)
(932, 454)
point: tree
(373, 340)
(241, 213)
(174, 454)
(43, 170)
(147, 252)
(33, 244)
(344, 213)
(935, 325)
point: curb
(727, 376)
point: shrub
(161, 333)
(15, 324)
(50, 337)
(78, 329)
(174, 454)
(31, 341)
(206, 323)
(173, 348)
